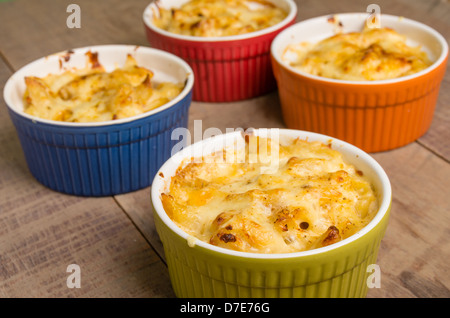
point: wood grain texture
(414, 253)
(114, 239)
(32, 29)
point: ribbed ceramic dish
(374, 116)
(227, 68)
(199, 269)
(104, 158)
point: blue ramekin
(107, 158)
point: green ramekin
(198, 269)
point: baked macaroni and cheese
(217, 18)
(91, 94)
(312, 199)
(373, 54)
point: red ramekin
(226, 69)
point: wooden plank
(437, 138)
(414, 253)
(32, 29)
(42, 232)
(139, 208)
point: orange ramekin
(228, 68)
(372, 115)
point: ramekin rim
(383, 209)
(216, 39)
(188, 87)
(442, 57)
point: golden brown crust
(313, 199)
(208, 18)
(373, 54)
(331, 236)
(93, 95)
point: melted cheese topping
(209, 18)
(373, 54)
(94, 95)
(311, 199)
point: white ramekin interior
(352, 155)
(287, 5)
(165, 66)
(319, 28)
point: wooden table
(113, 239)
